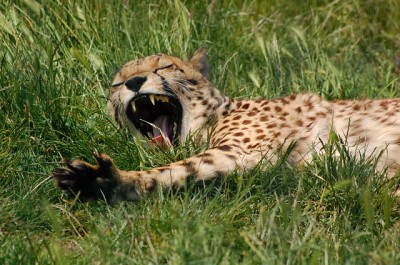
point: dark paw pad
(86, 180)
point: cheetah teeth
(161, 98)
(174, 128)
(133, 105)
(153, 99)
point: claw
(103, 160)
(66, 183)
(96, 154)
(74, 167)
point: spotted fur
(241, 132)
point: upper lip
(149, 112)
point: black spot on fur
(208, 161)
(204, 155)
(189, 165)
(231, 157)
(224, 148)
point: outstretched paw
(86, 180)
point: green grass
(57, 59)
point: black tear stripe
(116, 113)
(166, 85)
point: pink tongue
(162, 123)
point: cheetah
(167, 100)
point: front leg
(105, 181)
(212, 163)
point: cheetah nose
(135, 83)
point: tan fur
(243, 132)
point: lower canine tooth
(174, 128)
(133, 105)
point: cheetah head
(164, 97)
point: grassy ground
(57, 59)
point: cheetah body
(174, 99)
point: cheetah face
(158, 116)
(154, 96)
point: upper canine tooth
(151, 97)
(133, 105)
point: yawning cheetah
(167, 99)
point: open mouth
(157, 117)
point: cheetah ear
(199, 61)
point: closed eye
(164, 67)
(118, 84)
(192, 81)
